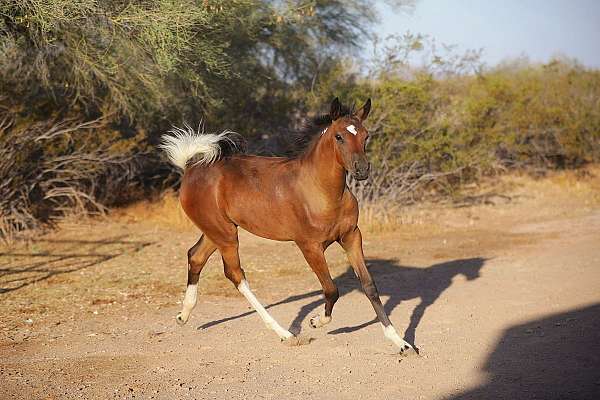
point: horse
(302, 198)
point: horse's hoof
(296, 341)
(408, 351)
(180, 320)
(319, 320)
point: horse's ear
(364, 111)
(336, 109)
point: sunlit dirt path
(503, 301)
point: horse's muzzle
(361, 170)
(361, 176)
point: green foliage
(135, 67)
(87, 87)
(455, 127)
(162, 61)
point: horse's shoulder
(348, 217)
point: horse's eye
(338, 137)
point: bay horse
(304, 199)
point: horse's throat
(327, 173)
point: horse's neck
(324, 170)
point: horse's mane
(310, 129)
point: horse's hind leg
(352, 244)
(315, 257)
(197, 257)
(234, 272)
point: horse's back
(235, 171)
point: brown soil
(501, 298)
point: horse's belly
(284, 223)
(265, 232)
(268, 222)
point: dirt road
(503, 301)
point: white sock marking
(189, 301)
(390, 333)
(266, 317)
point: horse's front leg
(315, 257)
(352, 244)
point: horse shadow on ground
(19, 269)
(554, 357)
(395, 282)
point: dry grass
(166, 212)
(581, 186)
(555, 189)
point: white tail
(183, 144)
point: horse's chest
(326, 223)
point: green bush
(88, 87)
(447, 129)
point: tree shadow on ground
(556, 357)
(21, 269)
(396, 282)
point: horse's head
(350, 137)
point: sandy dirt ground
(501, 298)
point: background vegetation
(87, 88)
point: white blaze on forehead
(351, 129)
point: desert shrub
(450, 121)
(58, 167)
(87, 87)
